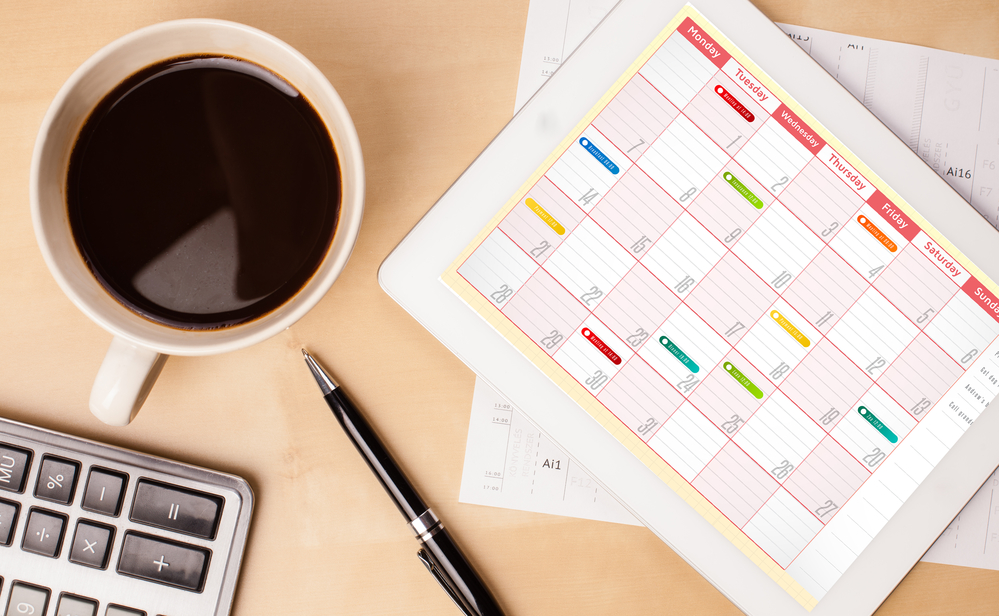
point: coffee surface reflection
(203, 192)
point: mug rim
(178, 341)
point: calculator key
(175, 564)
(43, 533)
(104, 491)
(71, 605)
(91, 544)
(8, 519)
(25, 599)
(57, 480)
(175, 508)
(117, 610)
(14, 463)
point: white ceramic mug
(140, 347)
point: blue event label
(600, 156)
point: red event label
(893, 215)
(734, 103)
(601, 346)
(704, 43)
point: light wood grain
(428, 85)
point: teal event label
(679, 354)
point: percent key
(57, 480)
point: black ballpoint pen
(439, 554)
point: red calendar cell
(687, 441)
(636, 212)
(920, 375)
(541, 220)
(735, 484)
(821, 200)
(825, 290)
(826, 479)
(730, 204)
(637, 306)
(914, 285)
(732, 393)
(826, 385)
(683, 160)
(545, 311)
(683, 255)
(635, 117)
(640, 398)
(726, 113)
(731, 298)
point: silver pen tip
(323, 379)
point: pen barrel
(465, 582)
(374, 453)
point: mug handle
(124, 380)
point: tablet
(741, 303)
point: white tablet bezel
(411, 276)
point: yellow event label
(545, 216)
(789, 328)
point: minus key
(104, 491)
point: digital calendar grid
(719, 282)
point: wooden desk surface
(428, 84)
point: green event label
(679, 354)
(742, 190)
(743, 380)
(878, 424)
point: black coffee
(203, 192)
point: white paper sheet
(972, 539)
(554, 29)
(510, 463)
(944, 105)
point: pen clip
(445, 583)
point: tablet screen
(767, 325)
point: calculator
(87, 529)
